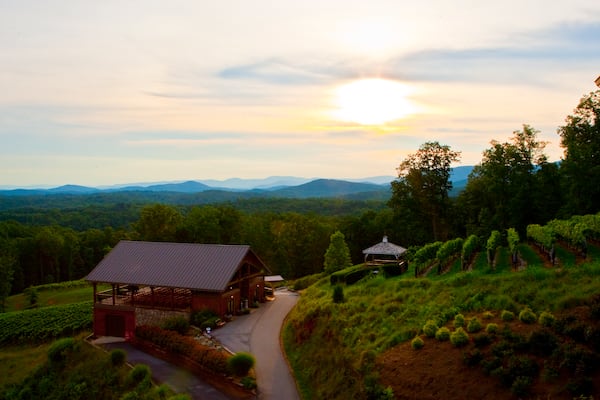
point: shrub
(442, 334)
(491, 328)
(527, 316)
(542, 342)
(248, 382)
(118, 357)
(459, 320)
(198, 317)
(139, 373)
(177, 324)
(488, 315)
(546, 319)
(507, 315)
(472, 358)
(338, 294)
(459, 337)
(417, 343)
(482, 340)
(430, 328)
(474, 325)
(58, 351)
(209, 323)
(240, 363)
(520, 386)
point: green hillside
(333, 347)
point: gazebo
(384, 253)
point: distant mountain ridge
(276, 186)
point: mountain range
(274, 186)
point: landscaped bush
(542, 342)
(338, 294)
(459, 320)
(58, 351)
(459, 337)
(472, 358)
(417, 343)
(546, 319)
(199, 317)
(430, 328)
(248, 382)
(118, 357)
(474, 325)
(491, 328)
(442, 334)
(240, 363)
(527, 316)
(177, 324)
(507, 315)
(139, 373)
(482, 340)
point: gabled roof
(385, 248)
(193, 266)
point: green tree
(501, 189)
(421, 190)
(580, 168)
(337, 256)
(158, 223)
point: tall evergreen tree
(337, 256)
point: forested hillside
(47, 239)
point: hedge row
(208, 357)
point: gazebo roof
(384, 248)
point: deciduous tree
(421, 190)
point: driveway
(258, 333)
(179, 379)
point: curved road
(258, 333)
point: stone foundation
(149, 316)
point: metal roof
(385, 248)
(193, 266)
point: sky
(109, 92)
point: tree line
(513, 186)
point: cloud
(548, 49)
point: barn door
(115, 325)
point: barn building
(152, 281)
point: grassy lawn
(51, 297)
(17, 362)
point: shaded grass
(17, 362)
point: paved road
(258, 333)
(179, 379)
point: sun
(372, 101)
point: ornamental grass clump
(459, 320)
(491, 328)
(459, 337)
(507, 316)
(417, 343)
(430, 328)
(442, 334)
(474, 325)
(546, 319)
(527, 316)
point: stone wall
(149, 316)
